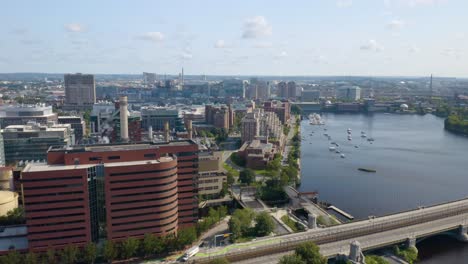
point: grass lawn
(230, 169)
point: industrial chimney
(189, 129)
(150, 133)
(166, 131)
(123, 118)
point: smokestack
(123, 118)
(189, 129)
(150, 133)
(166, 131)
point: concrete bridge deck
(372, 233)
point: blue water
(417, 163)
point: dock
(341, 212)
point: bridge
(406, 227)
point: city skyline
(298, 38)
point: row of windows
(57, 231)
(60, 223)
(144, 179)
(209, 188)
(52, 179)
(139, 172)
(52, 194)
(54, 187)
(142, 187)
(147, 227)
(140, 207)
(131, 222)
(208, 181)
(143, 193)
(52, 202)
(55, 209)
(58, 238)
(145, 200)
(64, 215)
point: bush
(264, 224)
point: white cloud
(282, 54)
(372, 45)
(152, 36)
(396, 24)
(415, 3)
(74, 27)
(413, 49)
(186, 56)
(256, 27)
(220, 44)
(451, 52)
(344, 3)
(263, 45)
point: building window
(150, 155)
(113, 157)
(95, 158)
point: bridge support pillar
(411, 242)
(355, 253)
(312, 221)
(462, 233)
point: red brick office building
(88, 193)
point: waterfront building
(257, 154)
(113, 192)
(22, 114)
(80, 91)
(310, 95)
(31, 142)
(261, 124)
(348, 93)
(281, 108)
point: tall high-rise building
(113, 192)
(2, 152)
(149, 78)
(281, 108)
(260, 124)
(80, 90)
(220, 116)
(287, 90)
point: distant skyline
(299, 38)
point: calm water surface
(417, 163)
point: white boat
(315, 119)
(349, 137)
(342, 156)
(332, 148)
(356, 146)
(337, 151)
(363, 135)
(349, 130)
(370, 139)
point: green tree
(110, 251)
(235, 227)
(31, 258)
(90, 253)
(372, 259)
(310, 253)
(69, 254)
(160, 245)
(51, 256)
(291, 259)
(220, 261)
(230, 178)
(149, 244)
(13, 257)
(129, 247)
(264, 224)
(247, 176)
(186, 236)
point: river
(418, 163)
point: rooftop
(121, 147)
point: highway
(376, 232)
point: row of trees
(457, 123)
(149, 246)
(305, 253)
(240, 224)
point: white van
(190, 253)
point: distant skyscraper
(80, 90)
(149, 78)
(2, 152)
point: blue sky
(309, 37)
